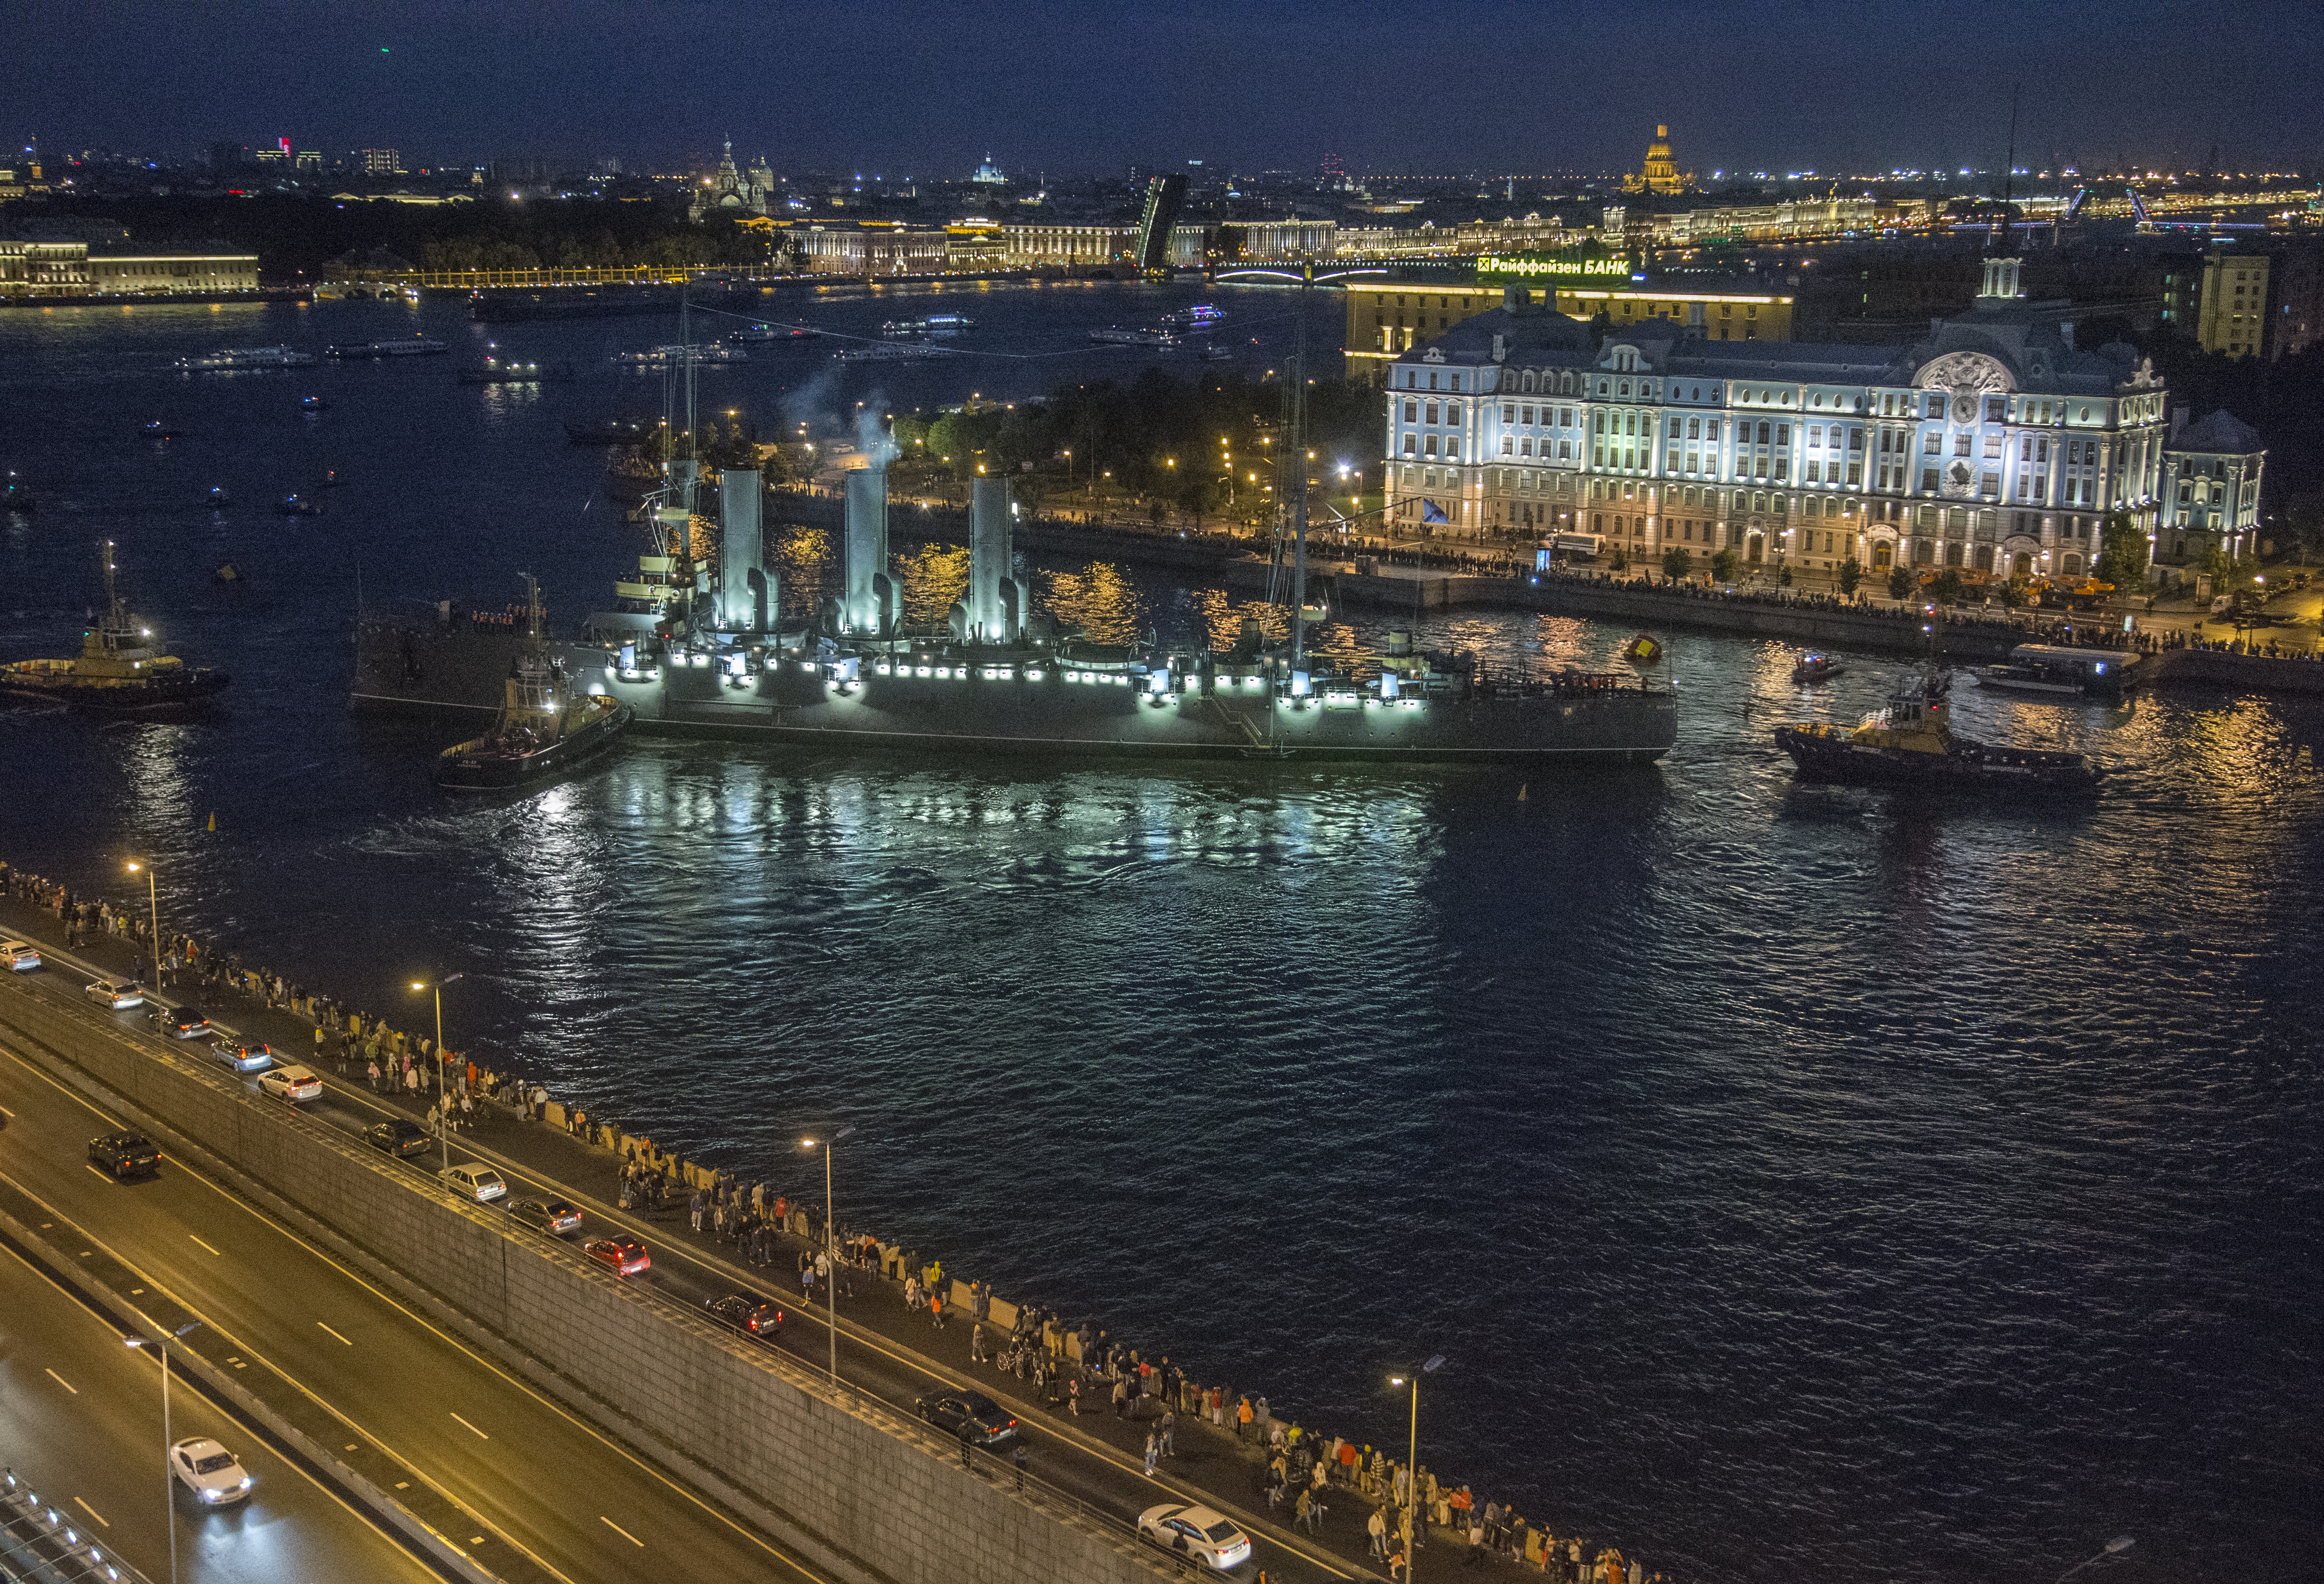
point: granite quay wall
(862, 1492)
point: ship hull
(147, 700)
(487, 773)
(1834, 758)
(439, 670)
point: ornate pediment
(1967, 376)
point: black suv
(177, 1022)
(753, 1317)
(124, 1155)
(400, 1138)
(970, 1415)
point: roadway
(582, 1506)
(82, 1414)
(882, 1354)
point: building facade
(2208, 498)
(872, 250)
(1994, 445)
(2234, 314)
(68, 269)
(1387, 318)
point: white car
(1196, 1534)
(120, 994)
(19, 956)
(209, 1471)
(292, 1083)
(478, 1183)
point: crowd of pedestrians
(1076, 1370)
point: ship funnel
(994, 601)
(745, 585)
(870, 596)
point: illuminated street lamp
(444, 1121)
(830, 1248)
(153, 906)
(1412, 1455)
(2114, 1548)
(168, 1479)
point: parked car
(624, 1256)
(118, 994)
(399, 1136)
(1196, 1534)
(753, 1317)
(177, 1022)
(124, 1154)
(552, 1216)
(293, 1083)
(969, 1414)
(209, 1471)
(243, 1055)
(477, 1183)
(19, 956)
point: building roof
(2220, 434)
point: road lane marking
(624, 1534)
(634, 1459)
(205, 1245)
(92, 1511)
(480, 1434)
(101, 1176)
(334, 1333)
(67, 1384)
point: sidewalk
(1232, 1474)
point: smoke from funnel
(872, 436)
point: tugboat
(217, 499)
(119, 671)
(1911, 743)
(1816, 668)
(547, 729)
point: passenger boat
(1815, 668)
(889, 352)
(246, 358)
(1201, 315)
(547, 729)
(417, 346)
(217, 500)
(772, 336)
(156, 430)
(660, 357)
(16, 495)
(2058, 671)
(936, 324)
(120, 670)
(1911, 743)
(1118, 336)
(498, 370)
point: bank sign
(1548, 266)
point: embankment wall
(859, 1491)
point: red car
(624, 1256)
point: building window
(1410, 443)
(1453, 409)
(1928, 481)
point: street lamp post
(444, 1112)
(1412, 1457)
(153, 906)
(2114, 1548)
(169, 1477)
(831, 1249)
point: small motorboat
(16, 495)
(1815, 668)
(297, 505)
(313, 404)
(333, 478)
(156, 430)
(217, 499)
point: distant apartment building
(2234, 312)
(1387, 319)
(378, 163)
(1274, 241)
(68, 269)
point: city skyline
(923, 91)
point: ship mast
(1296, 405)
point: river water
(1794, 1180)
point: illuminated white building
(1997, 444)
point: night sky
(925, 89)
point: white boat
(656, 356)
(417, 346)
(936, 324)
(756, 334)
(889, 352)
(247, 357)
(1116, 335)
(1201, 315)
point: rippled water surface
(1796, 1179)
